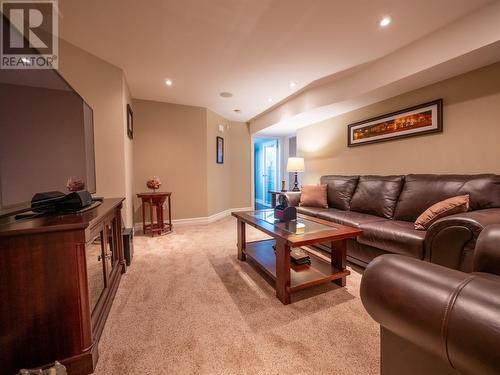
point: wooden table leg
(159, 216)
(151, 217)
(283, 272)
(169, 214)
(273, 200)
(241, 240)
(143, 217)
(339, 259)
(162, 206)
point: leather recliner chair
(436, 320)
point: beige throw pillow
(442, 209)
(313, 196)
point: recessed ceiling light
(168, 82)
(385, 21)
(293, 84)
(237, 110)
(226, 94)
(269, 100)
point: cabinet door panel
(95, 269)
(110, 249)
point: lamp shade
(295, 165)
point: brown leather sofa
(435, 320)
(386, 207)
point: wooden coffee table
(301, 232)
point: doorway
(266, 163)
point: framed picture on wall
(130, 122)
(220, 150)
(421, 119)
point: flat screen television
(46, 137)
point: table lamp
(295, 165)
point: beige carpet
(188, 306)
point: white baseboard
(200, 220)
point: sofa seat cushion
(398, 237)
(311, 211)
(349, 218)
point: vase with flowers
(75, 184)
(153, 183)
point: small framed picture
(220, 150)
(130, 122)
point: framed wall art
(220, 150)
(421, 119)
(130, 122)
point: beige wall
(128, 153)
(240, 175)
(228, 184)
(170, 142)
(177, 143)
(102, 86)
(218, 175)
(469, 143)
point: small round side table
(156, 202)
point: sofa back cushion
(377, 195)
(420, 191)
(340, 190)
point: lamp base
(296, 183)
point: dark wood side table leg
(283, 272)
(169, 214)
(339, 259)
(273, 200)
(159, 216)
(143, 217)
(151, 219)
(162, 219)
(241, 240)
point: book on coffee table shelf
(299, 256)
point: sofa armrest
(451, 241)
(487, 254)
(293, 198)
(449, 313)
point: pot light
(237, 110)
(385, 21)
(226, 94)
(293, 84)
(269, 100)
(168, 82)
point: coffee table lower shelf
(319, 272)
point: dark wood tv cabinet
(58, 278)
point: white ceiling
(251, 48)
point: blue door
(266, 170)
